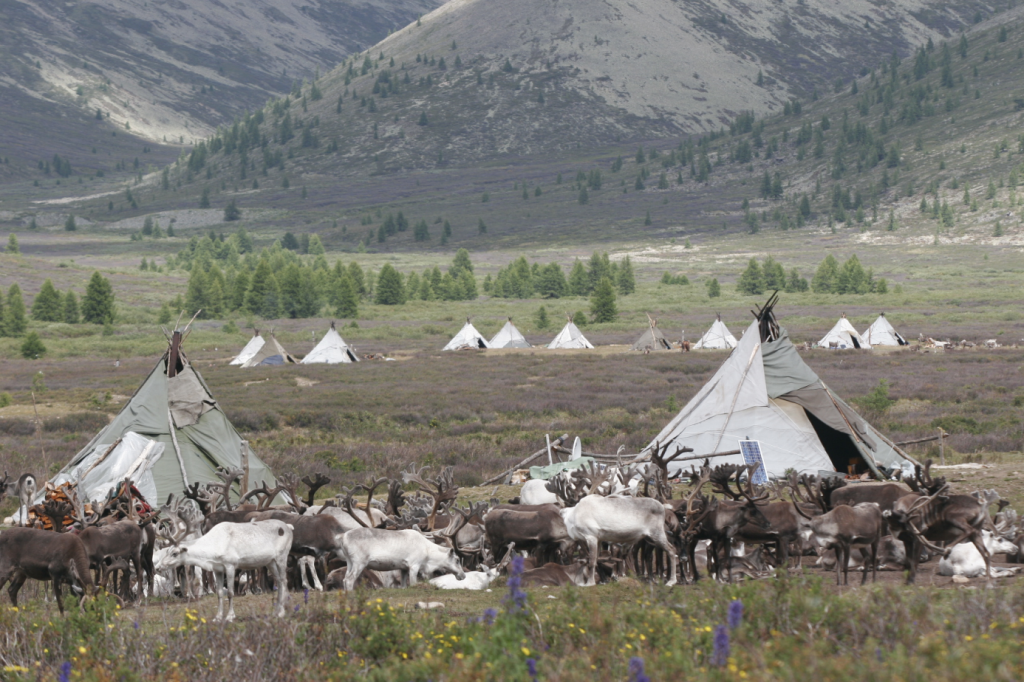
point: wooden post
(547, 439)
(942, 447)
(245, 469)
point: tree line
(829, 278)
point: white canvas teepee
(718, 337)
(509, 337)
(331, 350)
(652, 338)
(882, 333)
(843, 336)
(271, 353)
(765, 392)
(468, 337)
(250, 349)
(570, 337)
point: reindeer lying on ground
(966, 560)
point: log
(922, 440)
(554, 444)
(632, 459)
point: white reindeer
(535, 491)
(231, 547)
(474, 580)
(408, 551)
(621, 520)
(966, 560)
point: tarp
(718, 337)
(203, 438)
(882, 333)
(652, 339)
(271, 353)
(96, 476)
(844, 336)
(551, 470)
(250, 349)
(570, 337)
(468, 337)
(331, 350)
(766, 392)
(509, 337)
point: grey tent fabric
(784, 369)
(652, 339)
(271, 353)
(203, 440)
(551, 470)
(818, 400)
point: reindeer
(43, 555)
(441, 489)
(408, 551)
(24, 489)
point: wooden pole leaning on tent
(244, 454)
(554, 444)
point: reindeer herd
(582, 527)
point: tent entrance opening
(839, 447)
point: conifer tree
(48, 305)
(579, 280)
(826, 278)
(98, 302)
(852, 278)
(71, 314)
(14, 321)
(625, 280)
(239, 288)
(316, 247)
(714, 288)
(542, 320)
(204, 202)
(32, 348)
(195, 294)
(467, 286)
(774, 275)
(12, 244)
(602, 302)
(482, 227)
(69, 224)
(796, 283)
(355, 272)
(752, 279)
(346, 299)
(551, 283)
(390, 290)
(459, 263)
(264, 295)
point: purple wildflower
(489, 616)
(305, 595)
(735, 614)
(721, 643)
(636, 670)
(65, 672)
(135, 624)
(515, 600)
(531, 667)
(878, 654)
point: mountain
(167, 70)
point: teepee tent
(468, 337)
(843, 336)
(271, 353)
(765, 392)
(652, 338)
(251, 348)
(331, 350)
(881, 333)
(170, 435)
(509, 337)
(570, 337)
(718, 337)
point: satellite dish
(577, 449)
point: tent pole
(244, 447)
(736, 397)
(177, 450)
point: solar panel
(751, 450)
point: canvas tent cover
(251, 348)
(192, 438)
(97, 475)
(844, 336)
(718, 337)
(509, 337)
(551, 470)
(882, 333)
(570, 337)
(468, 337)
(765, 392)
(331, 350)
(271, 353)
(652, 339)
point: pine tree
(852, 278)
(460, 263)
(625, 280)
(346, 299)
(826, 278)
(98, 302)
(71, 314)
(467, 286)
(579, 280)
(165, 314)
(583, 198)
(316, 247)
(69, 224)
(551, 283)
(32, 348)
(239, 288)
(447, 230)
(795, 283)
(14, 321)
(358, 278)
(482, 227)
(48, 305)
(204, 201)
(12, 244)
(390, 289)
(602, 302)
(542, 320)
(264, 295)
(647, 218)
(714, 288)
(232, 212)
(195, 295)
(752, 279)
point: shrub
(957, 424)
(79, 422)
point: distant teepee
(331, 350)
(882, 333)
(843, 336)
(509, 337)
(718, 337)
(570, 337)
(652, 338)
(271, 353)
(250, 349)
(468, 337)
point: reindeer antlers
(314, 485)
(442, 489)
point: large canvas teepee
(250, 349)
(843, 336)
(509, 337)
(271, 353)
(718, 337)
(765, 392)
(468, 337)
(331, 350)
(570, 337)
(172, 432)
(652, 338)
(882, 333)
